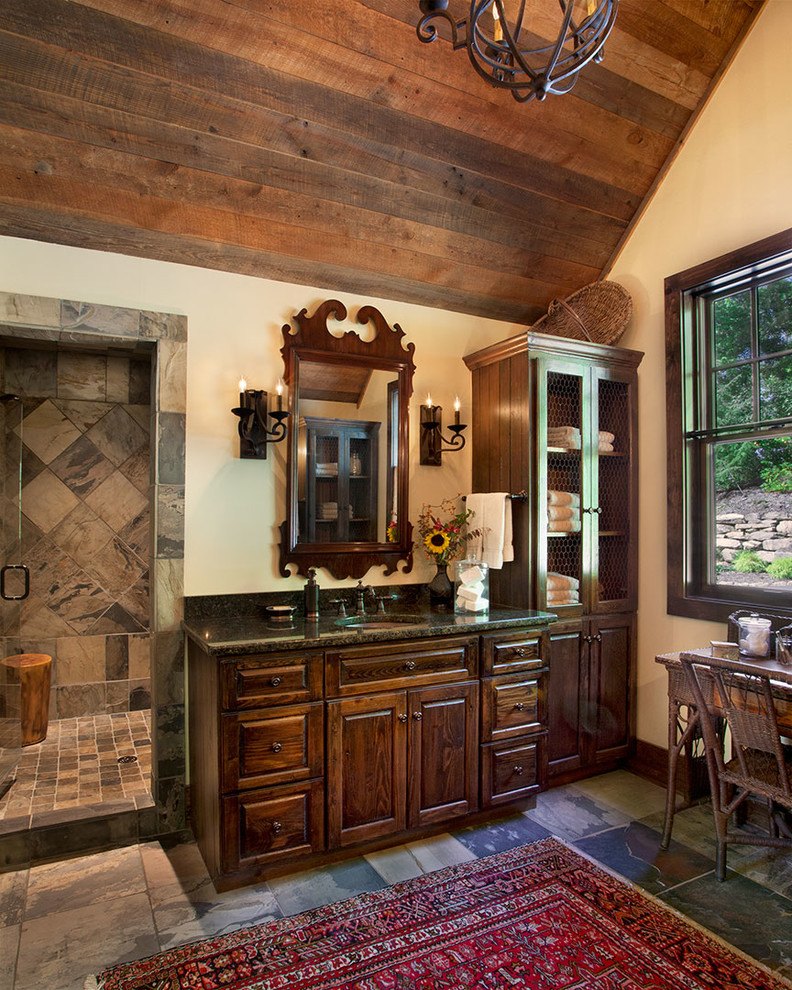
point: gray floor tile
(13, 894)
(485, 840)
(632, 795)
(634, 852)
(86, 880)
(59, 951)
(440, 851)
(755, 920)
(9, 945)
(311, 889)
(394, 865)
(568, 813)
(174, 870)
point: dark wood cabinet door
(443, 752)
(567, 687)
(611, 672)
(366, 767)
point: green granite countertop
(230, 636)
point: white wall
(730, 185)
(234, 507)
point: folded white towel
(562, 498)
(563, 598)
(605, 448)
(493, 519)
(561, 582)
(563, 431)
(563, 526)
(563, 512)
(606, 437)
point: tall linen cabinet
(557, 418)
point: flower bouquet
(443, 539)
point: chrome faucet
(360, 592)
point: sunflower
(437, 542)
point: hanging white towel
(493, 519)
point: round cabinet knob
(402, 718)
(275, 681)
(276, 826)
(409, 665)
(518, 770)
(417, 716)
(276, 747)
(520, 706)
(521, 652)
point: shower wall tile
(79, 659)
(46, 501)
(117, 658)
(82, 467)
(39, 621)
(105, 320)
(137, 535)
(163, 326)
(82, 376)
(83, 413)
(31, 372)
(29, 311)
(172, 377)
(116, 568)
(139, 656)
(116, 620)
(117, 381)
(170, 449)
(140, 695)
(140, 383)
(168, 594)
(168, 669)
(82, 534)
(137, 601)
(81, 699)
(170, 520)
(137, 469)
(48, 432)
(141, 413)
(117, 501)
(118, 436)
(117, 696)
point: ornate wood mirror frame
(340, 368)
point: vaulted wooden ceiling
(320, 142)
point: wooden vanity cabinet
(299, 756)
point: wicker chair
(760, 763)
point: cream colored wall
(730, 185)
(234, 507)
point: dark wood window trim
(686, 595)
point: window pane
(731, 325)
(753, 509)
(775, 387)
(775, 316)
(733, 395)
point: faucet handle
(340, 605)
(382, 599)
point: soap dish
(281, 614)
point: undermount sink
(378, 621)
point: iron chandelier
(505, 53)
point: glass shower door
(13, 586)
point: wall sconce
(432, 438)
(252, 412)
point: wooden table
(683, 726)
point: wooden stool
(34, 671)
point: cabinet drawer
(251, 682)
(511, 706)
(511, 653)
(276, 746)
(265, 826)
(396, 665)
(510, 771)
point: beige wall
(234, 507)
(730, 185)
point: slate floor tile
(303, 891)
(440, 851)
(569, 813)
(495, 837)
(634, 852)
(395, 864)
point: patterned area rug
(540, 916)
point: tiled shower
(85, 523)
(101, 427)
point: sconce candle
(279, 390)
(254, 435)
(456, 411)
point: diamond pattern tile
(118, 436)
(46, 501)
(116, 501)
(48, 432)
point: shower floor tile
(89, 760)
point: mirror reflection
(347, 453)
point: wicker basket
(598, 312)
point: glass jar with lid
(754, 636)
(471, 587)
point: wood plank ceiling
(321, 143)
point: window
(729, 394)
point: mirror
(348, 471)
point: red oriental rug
(540, 916)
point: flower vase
(441, 590)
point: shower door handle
(26, 590)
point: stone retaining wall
(769, 535)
